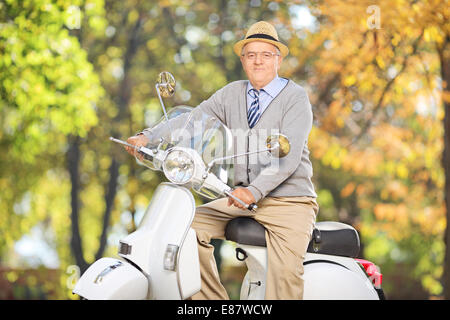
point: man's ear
(280, 60)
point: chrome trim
(106, 271)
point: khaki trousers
(289, 222)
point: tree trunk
(73, 156)
(73, 161)
(444, 56)
(123, 102)
(110, 194)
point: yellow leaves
(394, 190)
(152, 44)
(12, 276)
(133, 16)
(104, 162)
(378, 247)
(365, 162)
(164, 3)
(430, 219)
(396, 39)
(333, 119)
(380, 62)
(73, 17)
(433, 34)
(132, 186)
(333, 156)
(363, 23)
(391, 212)
(433, 284)
(315, 138)
(402, 171)
(142, 200)
(393, 219)
(349, 80)
(399, 219)
(348, 190)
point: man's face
(262, 68)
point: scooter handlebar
(250, 207)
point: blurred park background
(73, 73)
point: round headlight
(178, 167)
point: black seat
(330, 237)
(246, 231)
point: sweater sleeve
(296, 125)
(213, 106)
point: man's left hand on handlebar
(243, 194)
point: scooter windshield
(192, 128)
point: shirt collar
(271, 88)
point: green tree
(48, 89)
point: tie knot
(254, 93)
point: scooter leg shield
(112, 279)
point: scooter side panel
(327, 281)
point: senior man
(284, 192)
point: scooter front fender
(112, 279)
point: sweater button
(248, 170)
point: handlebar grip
(252, 207)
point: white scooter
(160, 259)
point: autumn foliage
(73, 73)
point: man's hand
(138, 141)
(243, 194)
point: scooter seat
(246, 231)
(335, 238)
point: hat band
(262, 36)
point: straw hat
(261, 31)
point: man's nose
(258, 59)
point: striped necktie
(254, 112)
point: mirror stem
(163, 107)
(161, 101)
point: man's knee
(203, 237)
